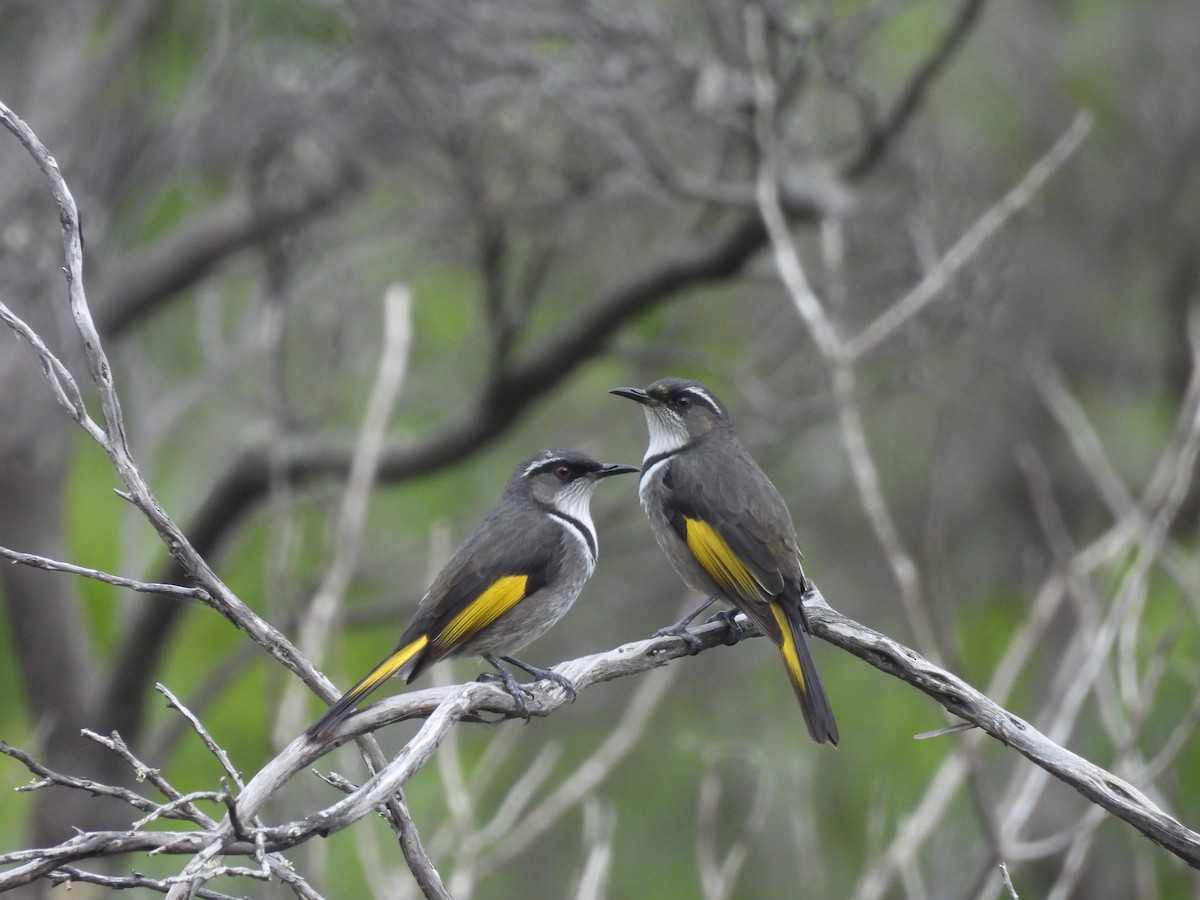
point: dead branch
(444, 707)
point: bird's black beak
(615, 469)
(636, 394)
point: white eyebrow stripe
(708, 398)
(536, 464)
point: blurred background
(568, 191)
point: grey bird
(725, 528)
(516, 575)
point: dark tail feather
(802, 671)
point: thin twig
(69, 875)
(48, 777)
(214, 748)
(62, 382)
(972, 240)
(145, 587)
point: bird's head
(678, 411)
(564, 479)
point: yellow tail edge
(373, 679)
(802, 672)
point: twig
(142, 771)
(1007, 881)
(49, 777)
(198, 727)
(69, 874)
(145, 587)
(62, 382)
(972, 240)
(599, 826)
(182, 801)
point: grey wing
(514, 543)
(750, 514)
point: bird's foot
(514, 688)
(734, 630)
(680, 630)
(541, 674)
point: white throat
(667, 433)
(575, 501)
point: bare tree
(745, 149)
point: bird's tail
(377, 676)
(802, 671)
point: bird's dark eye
(684, 402)
(563, 472)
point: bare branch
(198, 727)
(114, 442)
(145, 587)
(48, 777)
(1114, 794)
(831, 347)
(446, 706)
(972, 240)
(69, 875)
(880, 139)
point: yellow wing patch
(719, 560)
(498, 599)
(791, 657)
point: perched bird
(726, 529)
(514, 577)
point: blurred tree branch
(125, 298)
(513, 385)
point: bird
(726, 530)
(514, 577)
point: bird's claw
(680, 630)
(512, 686)
(734, 630)
(541, 674)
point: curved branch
(445, 706)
